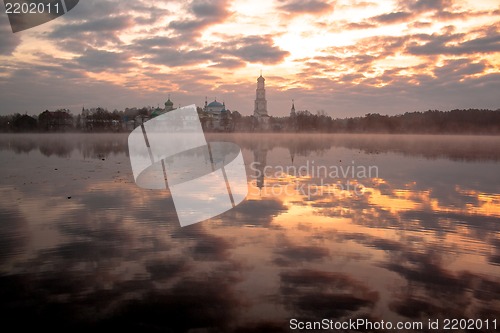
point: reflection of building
(218, 116)
(260, 161)
(260, 110)
(291, 149)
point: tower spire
(292, 110)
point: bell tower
(260, 109)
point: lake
(400, 228)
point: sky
(346, 58)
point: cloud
(176, 57)
(98, 25)
(206, 13)
(173, 51)
(459, 68)
(209, 9)
(344, 63)
(95, 23)
(145, 44)
(8, 40)
(394, 17)
(359, 25)
(97, 60)
(229, 63)
(255, 49)
(455, 44)
(305, 6)
(426, 5)
(358, 4)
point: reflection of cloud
(431, 286)
(425, 242)
(494, 258)
(480, 225)
(415, 308)
(375, 242)
(433, 290)
(166, 268)
(206, 247)
(32, 301)
(421, 267)
(84, 251)
(12, 233)
(319, 294)
(189, 304)
(290, 254)
(254, 212)
(135, 268)
(268, 327)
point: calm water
(415, 236)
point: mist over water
(81, 246)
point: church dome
(156, 112)
(215, 104)
(169, 102)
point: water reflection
(81, 246)
(456, 148)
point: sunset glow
(345, 57)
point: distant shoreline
(459, 122)
(258, 132)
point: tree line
(471, 121)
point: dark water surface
(415, 236)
